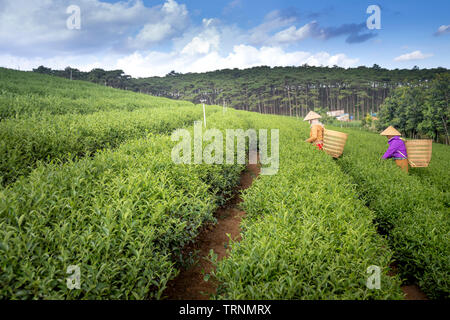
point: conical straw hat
(312, 115)
(390, 131)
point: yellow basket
(419, 152)
(334, 142)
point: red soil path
(190, 283)
(412, 291)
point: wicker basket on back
(334, 142)
(419, 152)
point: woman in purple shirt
(397, 148)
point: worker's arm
(313, 135)
(390, 151)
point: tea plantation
(87, 179)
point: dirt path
(190, 283)
(412, 291)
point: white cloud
(201, 45)
(208, 22)
(242, 56)
(262, 34)
(172, 19)
(273, 21)
(202, 53)
(208, 39)
(415, 55)
(292, 34)
(125, 35)
(443, 30)
(154, 33)
(38, 28)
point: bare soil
(411, 291)
(190, 283)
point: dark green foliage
(306, 235)
(122, 216)
(412, 211)
(289, 91)
(419, 110)
(24, 142)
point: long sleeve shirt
(396, 149)
(316, 134)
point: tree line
(419, 110)
(114, 78)
(289, 90)
(292, 91)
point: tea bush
(306, 235)
(24, 142)
(91, 183)
(28, 93)
(414, 214)
(122, 216)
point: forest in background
(294, 91)
(419, 110)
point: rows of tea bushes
(437, 173)
(413, 213)
(306, 235)
(24, 142)
(122, 216)
(91, 183)
(26, 93)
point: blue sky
(153, 37)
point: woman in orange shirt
(317, 129)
